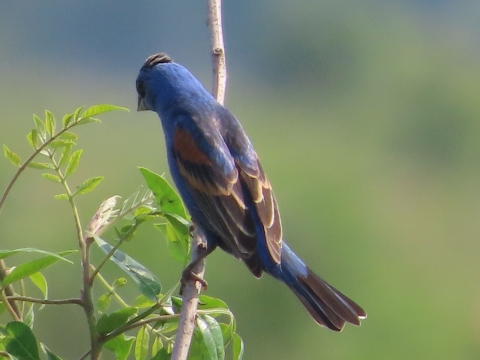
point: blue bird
(224, 187)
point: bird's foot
(189, 275)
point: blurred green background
(364, 113)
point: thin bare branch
(193, 287)
(45, 301)
(191, 290)
(8, 291)
(219, 64)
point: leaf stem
(137, 324)
(110, 288)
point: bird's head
(162, 83)
(149, 81)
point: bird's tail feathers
(327, 305)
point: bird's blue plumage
(225, 189)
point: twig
(8, 291)
(219, 64)
(192, 288)
(110, 288)
(9, 307)
(137, 324)
(45, 301)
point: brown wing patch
(198, 168)
(188, 149)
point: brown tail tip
(328, 306)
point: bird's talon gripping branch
(189, 275)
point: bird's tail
(328, 306)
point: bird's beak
(141, 104)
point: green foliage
(20, 341)
(108, 323)
(151, 320)
(32, 267)
(147, 282)
(176, 226)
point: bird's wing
(254, 179)
(222, 184)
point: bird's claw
(189, 275)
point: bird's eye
(141, 88)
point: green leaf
(87, 120)
(39, 124)
(29, 268)
(6, 253)
(65, 158)
(147, 282)
(141, 343)
(50, 355)
(162, 354)
(238, 347)
(142, 302)
(103, 302)
(167, 198)
(61, 197)
(20, 341)
(43, 166)
(144, 213)
(10, 155)
(56, 144)
(127, 232)
(216, 332)
(157, 345)
(100, 109)
(39, 280)
(179, 224)
(29, 317)
(67, 119)
(181, 228)
(51, 177)
(88, 185)
(227, 332)
(208, 302)
(34, 139)
(121, 345)
(73, 162)
(50, 122)
(68, 135)
(176, 247)
(110, 322)
(76, 113)
(203, 345)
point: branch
(192, 288)
(219, 63)
(137, 325)
(8, 291)
(45, 301)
